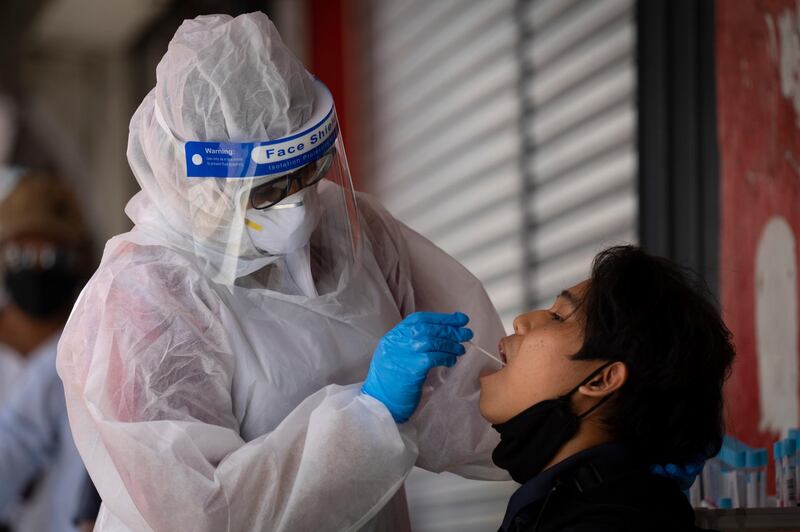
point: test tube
(752, 480)
(777, 451)
(696, 491)
(733, 479)
(794, 435)
(712, 473)
(763, 461)
(789, 461)
(739, 480)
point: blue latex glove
(684, 475)
(405, 354)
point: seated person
(625, 370)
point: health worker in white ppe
(214, 364)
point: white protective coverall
(204, 406)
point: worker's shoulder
(128, 256)
(382, 227)
(372, 210)
(379, 225)
(147, 269)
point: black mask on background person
(42, 291)
(530, 440)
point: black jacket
(599, 490)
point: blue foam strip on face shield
(239, 160)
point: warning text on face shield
(296, 145)
(241, 160)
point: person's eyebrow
(570, 297)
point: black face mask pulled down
(530, 440)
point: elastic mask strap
(596, 406)
(587, 379)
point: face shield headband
(273, 158)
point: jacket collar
(605, 455)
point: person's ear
(610, 379)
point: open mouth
(502, 351)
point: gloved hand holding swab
(487, 353)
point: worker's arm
(452, 434)
(148, 385)
(460, 441)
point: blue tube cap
(789, 447)
(752, 459)
(763, 457)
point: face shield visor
(278, 214)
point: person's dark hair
(660, 320)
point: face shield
(278, 214)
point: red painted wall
(760, 178)
(332, 61)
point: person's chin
(485, 400)
(489, 370)
(482, 408)
(488, 413)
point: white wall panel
(580, 163)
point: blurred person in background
(213, 365)
(11, 362)
(43, 261)
(88, 507)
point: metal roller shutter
(503, 131)
(445, 133)
(445, 78)
(580, 162)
